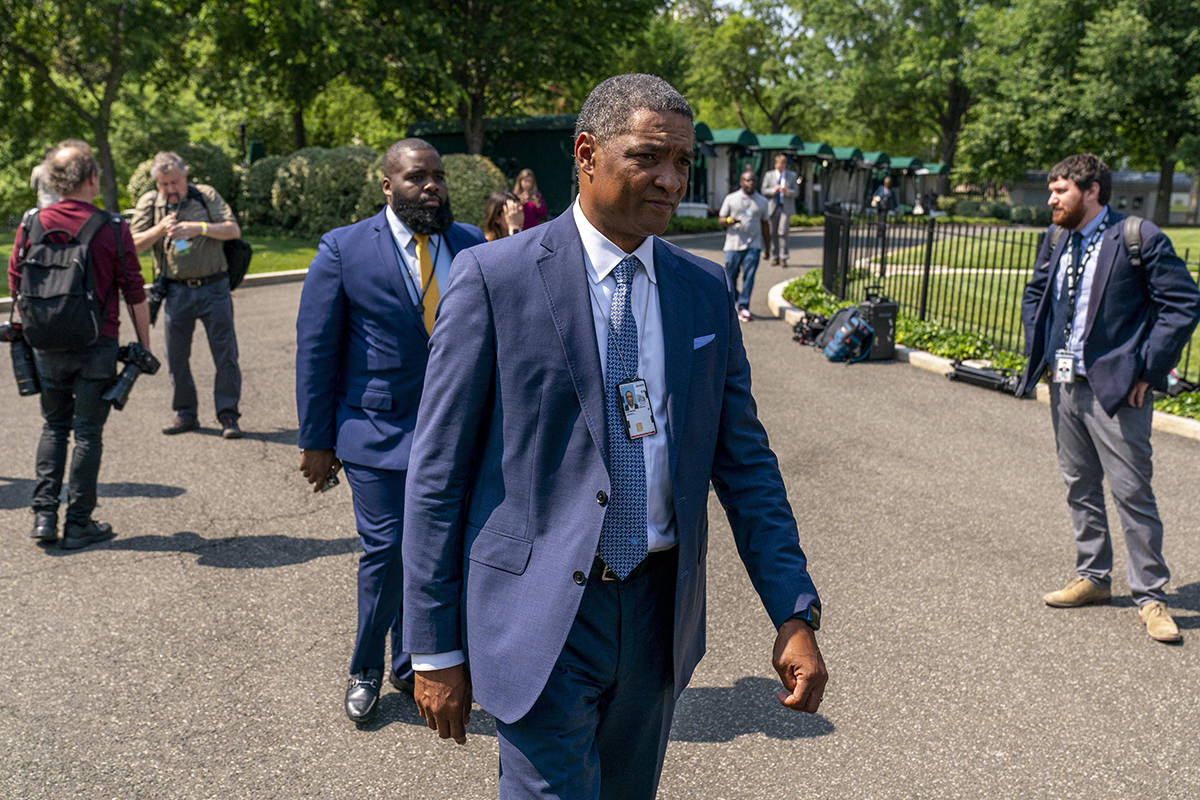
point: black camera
(24, 370)
(137, 360)
(155, 296)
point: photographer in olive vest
(185, 224)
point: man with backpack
(68, 262)
(187, 225)
(1106, 314)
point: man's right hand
(443, 696)
(315, 464)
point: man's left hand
(1137, 395)
(798, 661)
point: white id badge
(634, 401)
(1064, 366)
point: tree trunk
(958, 103)
(299, 135)
(1166, 180)
(473, 126)
(1193, 211)
(108, 170)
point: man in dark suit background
(1107, 331)
(362, 336)
(556, 555)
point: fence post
(844, 261)
(883, 217)
(927, 268)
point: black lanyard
(1075, 275)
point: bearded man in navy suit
(1107, 314)
(555, 540)
(362, 338)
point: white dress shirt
(599, 257)
(439, 251)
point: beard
(1068, 217)
(422, 220)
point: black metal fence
(965, 276)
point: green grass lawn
(272, 253)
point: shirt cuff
(425, 662)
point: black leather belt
(196, 283)
(652, 561)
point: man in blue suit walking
(362, 337)
(555, 533)
(1107, 313)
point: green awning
(876, 158)
(780, 141)
(703, 132)
(734, 136)
(816, 150)
(847, 154)
(936, 168)
(905, 162)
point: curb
(1168, 423)
(261, 279)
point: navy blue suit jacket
(501, 508)
(1138, 320)
(361, 346)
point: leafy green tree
(472, 58)
(65, 63)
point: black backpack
(237, 251)
(57, 296)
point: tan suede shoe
(1158, 622)
(1079, 592)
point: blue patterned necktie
(623, 533)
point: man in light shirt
(555, 538)
(744, 216)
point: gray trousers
(779, 224)
(1093, 446)
(212, 305)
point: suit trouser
(212, 305)
(1093, 446)
(379, 516)
(599, 728)
(780, 224)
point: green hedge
(206, 162)
(317, 189)
(254, 198)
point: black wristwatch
(810, 616)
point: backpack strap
(194, 193)
(1056, 234)
(1131, 232)
(91, 226)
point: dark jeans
(212, 305)
(745, 261)
(72, 384)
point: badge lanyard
(633, 396)
(403, 263)
(1075, 275)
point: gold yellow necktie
(429, 288)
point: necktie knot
(623, 272)
(422, 239)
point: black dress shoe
(45, 526)
(181, 425)
(362, 695)
(76, 536)
(400, 684)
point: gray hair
(166, 161)
(610, 107)
(69, 166)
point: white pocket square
(700, 341)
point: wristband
(204, 229)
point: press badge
(635, 409)
(1064, 366)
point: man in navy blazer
(554, 552)
(362, 337)
(1107, 329)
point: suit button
(579, 577)
(602, 497)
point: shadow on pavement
(16, 492)
(398, 707)
(231, 552)
(723, 713)
(277, 436)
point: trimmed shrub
(967, 208)
(996, 210)
(471, 180)
(318, 189)
(206, 162)
(1022, 215)
(254, 197)
(1041, 215)
(948, 204)
(370, 197)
